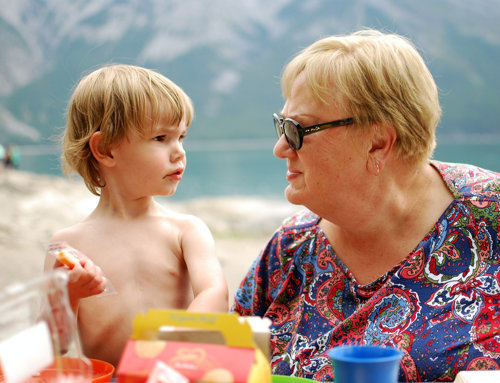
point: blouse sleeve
(253, 296)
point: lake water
(248, 167)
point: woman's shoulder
(469, 179)
(302, 220)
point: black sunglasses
(294, 133)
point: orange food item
(66, 258)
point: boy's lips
(177, 174)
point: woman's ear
(381, 145)
(100, 153)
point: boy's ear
(100, 153)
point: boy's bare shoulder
(68, 233)
(94, 225)
(182, 219)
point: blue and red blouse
(440, 305)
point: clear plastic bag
(38, 336)
(69, 256)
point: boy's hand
(85, 279)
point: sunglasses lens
(292, 134)
(277, 126)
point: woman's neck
(400, 213)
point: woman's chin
(293, 196)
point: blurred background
(228, 56)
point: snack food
(66, 258)
(64, 253)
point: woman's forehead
(303, 102)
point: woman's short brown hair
(376, 77)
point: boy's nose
(178, 152)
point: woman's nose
(281, 148)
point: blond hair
(376, 77)
(115, 100)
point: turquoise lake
(248, 168)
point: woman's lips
(291, 174)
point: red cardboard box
(237, 360)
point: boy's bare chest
(130, 251)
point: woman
(393, 248)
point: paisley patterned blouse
(440, 305)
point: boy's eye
(159, 138)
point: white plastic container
(38, 336)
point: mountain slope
(228, 55)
